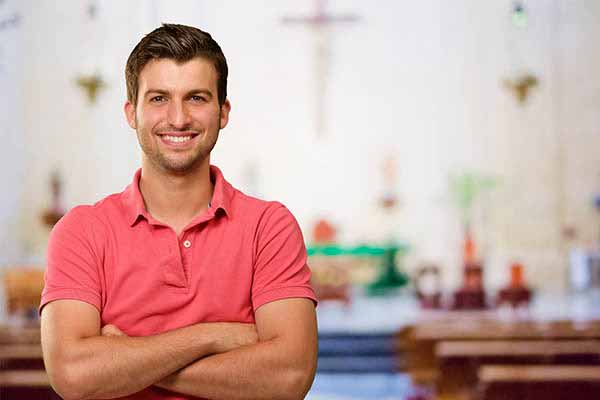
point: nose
(178, 115)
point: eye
(157, 99)
(197, 98)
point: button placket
(186, 254)
(174, 270)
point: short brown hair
(180, 43)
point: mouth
(178, 139)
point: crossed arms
(274, 359)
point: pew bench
(459, 361)
(22, 374)
(532, 382)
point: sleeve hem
(70, 294)
(283, 293)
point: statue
(53, 214)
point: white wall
(12, 160)
(421, 80)
(11, 133)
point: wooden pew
(494, 348)
(26, 384)
(430, 361)
(14, 335)
(24, 378)
(473, 328)
(548, 382)
(20, 351)
(22, 374)
(459, 361)
(21, 356)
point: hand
(233, 335)
(112, 330)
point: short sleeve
(72, 268)
(280, 269)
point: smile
(177, 140)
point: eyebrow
(205, 92)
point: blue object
(342, 353)
(361, 387)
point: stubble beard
(162, 162)
(176, 165)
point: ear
(129, 109)
(225, 109)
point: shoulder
(76, 218)
(264, 212)
(88, 219)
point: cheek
(208, 114)
(147, 120)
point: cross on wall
(318, 23)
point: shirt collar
(222, 191)
(134, 207)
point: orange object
(516, 275)
(471, 296)
(323, 232)
(469, 248)
(516, 293)
(23, 288)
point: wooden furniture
(20, 351)
(463, 326)
(460, 361)
(449, 351)
(22, 374)
(548, 382)
(20, 379)
(517, 348)
(23, 289)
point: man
(181, 285)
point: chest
(155, 281)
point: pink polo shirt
(236, 256)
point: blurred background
(441, 158)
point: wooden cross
(91, 84)
(520, 86)
(318, 22)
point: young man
(181, 285)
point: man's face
(177, 116)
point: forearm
(266, 370)
(107, 367)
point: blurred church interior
(441, 157)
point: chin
(182, 167)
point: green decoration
(389, 279)
(465, 188)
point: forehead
(169, 74)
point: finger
(111, 330)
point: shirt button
(187, 244)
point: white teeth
(177, 139)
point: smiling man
(181, 286)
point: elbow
(298, 382)
(68, 383)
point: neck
(175, 199)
